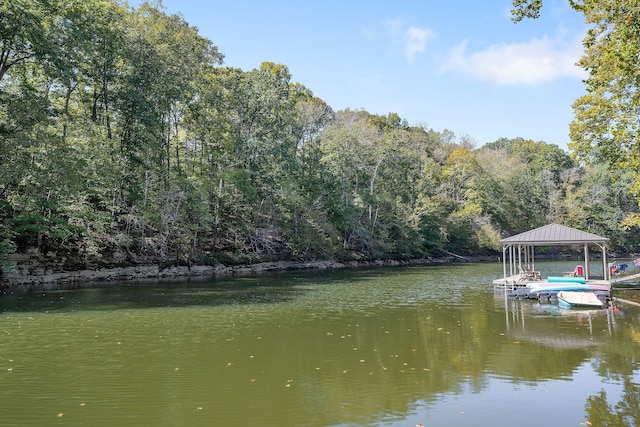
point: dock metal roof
(554, 235)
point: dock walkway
(629, 278)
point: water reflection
(625, 412)
(388, 347)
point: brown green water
(381, 347)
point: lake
(432, 345)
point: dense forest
(124, 139)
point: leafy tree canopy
(606, 126)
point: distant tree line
(122, 133)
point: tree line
(123, 136)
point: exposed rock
(34, 269)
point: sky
(456, 65)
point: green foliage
(39, 230)
(606, 118)
(606, 127)
(7, 234)
(525, 9)
(430, 226)
(124, 141)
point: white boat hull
(579, 299)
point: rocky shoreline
(32, 272)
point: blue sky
(458, 65)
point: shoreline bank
(36, 272)
(23, 279)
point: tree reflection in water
(626, 413)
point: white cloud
(413, 39)
(416, 41)
(536, 61)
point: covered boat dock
(518, 256)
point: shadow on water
(266, 288)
